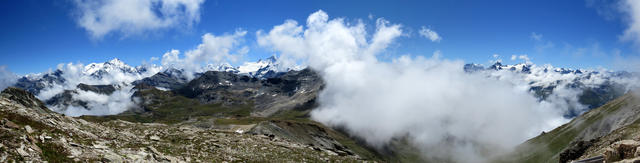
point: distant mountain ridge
(593, 88)
(62, 88)
(35, 82)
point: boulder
(28, 129)
(9, 124)
(624, 149)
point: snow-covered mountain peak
(109, 66)
(271, 60)
(258, 68)
(226, 67)
(117, 62)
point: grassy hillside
(588, 127)
(170, 108)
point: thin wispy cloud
(429, 34)
(535, 36)
(540, 44)
(7, 78)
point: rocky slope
(294, 89)
(598, 132)
(31, 132)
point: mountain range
(592, 87)
(263, 98)
(577, 90)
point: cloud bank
(432, 102)
(632, 10)
(7, 78)
(113, 73)
(99, 104)
(133, 17)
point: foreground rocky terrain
(31, 132)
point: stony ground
(29, 132)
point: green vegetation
(240, 120)
(168, 108)
(547, 146)
(22, 121)
(52, 152)
(359, 148)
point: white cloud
(430, 34)
(213, 50)
(627, 62)
(132, 17)
(7, 78)
(632, 10)
(522, 57)
(495, 58)
(98, 104)
(431, 101)
(539, 43)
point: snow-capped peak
(226, 67)
(117, 62)
(109, 66)
(255, 68)
(271, 60)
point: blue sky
(37, 35)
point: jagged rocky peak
(520, 67)
(36, 82)
(271, 59)
(24, 98)
(472, 67)
(170, 78)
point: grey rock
(28, 129)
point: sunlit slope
(618, 114)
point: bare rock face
(9, 124)
(575, 150)
(24, 98)
(621, 150)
